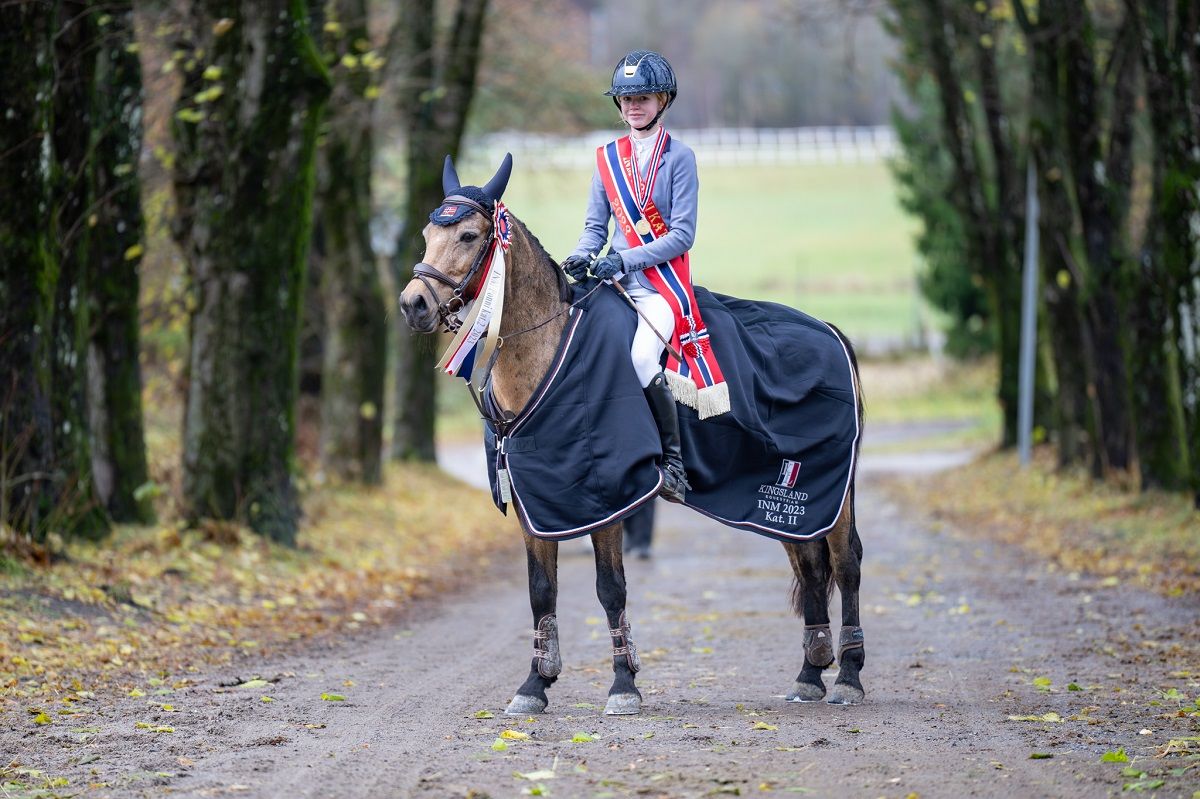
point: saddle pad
(583, 454)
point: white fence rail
(715, 146)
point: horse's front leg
(623, 698)
(543, 598)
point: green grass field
(828, 239)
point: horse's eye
(468, 237)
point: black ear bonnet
(463, 200)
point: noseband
(461, 290)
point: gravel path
(958, 634)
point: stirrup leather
(545, 647)
(627, 647)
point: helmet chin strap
(654, 121)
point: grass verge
(152, 605)
(1149, 539)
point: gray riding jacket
(675, 193)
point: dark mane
(564, 288)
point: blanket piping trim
(543, 390)
(779, 534)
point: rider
(636, 174)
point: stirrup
(675, 485)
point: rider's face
(639, 109)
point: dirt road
(961, 635)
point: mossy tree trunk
(355, 342)
(114, 373)
(437, 86)
(936, 25)
(79, 510)
(28, 268)
(1168, 259)
(1076, 412)
(246, 127)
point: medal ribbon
(472, 347)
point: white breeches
(647, 347)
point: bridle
(461, 291)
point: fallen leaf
(514, 735)
(1118, 756)
(484, 714)
(581, 738)
(1040, 756)
(333, 697)
(1051, 717)
(534, 776)
(762, 725)
(499, 746)
(256, 683)
(42, 718)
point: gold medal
(642, 227)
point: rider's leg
(646, 353)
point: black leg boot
(662, 406)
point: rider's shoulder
(681, 153)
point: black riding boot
(662, 406)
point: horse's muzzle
(421, 318)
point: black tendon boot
(662, 406)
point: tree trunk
(114, 373)
(355, 346)
(986, 244)
(246, 126)
(1101, 229)
(28, 268)
(79, 511)
(1168, 252)
(1068, 335)
(435, 113)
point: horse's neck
(531, 296)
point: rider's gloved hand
(609, 265)
(576, 266)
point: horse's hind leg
(624, 697)
(810, 599)
(846, 553)
(543, 598)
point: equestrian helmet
(642, 72)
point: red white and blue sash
(696, 381)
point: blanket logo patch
(782, 503)
(788, 474)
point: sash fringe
(713, 400)
(684, 389)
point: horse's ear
(450, 182)
(499, 182)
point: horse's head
(457, 240)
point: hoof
(522, 705)
(844, 694)
(623, 705)
(806, 692)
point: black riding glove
(576, 266)
(609, 265)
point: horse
(536, 300)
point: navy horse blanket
(583, 453)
